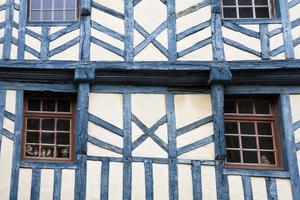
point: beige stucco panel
(185, 185)
(106, 38)
(259, 190)
(10, 101)
(108, 21)
(24, 184)
(294, 12)
(100, 53)
(71, 53)
(115, 181)
(5, 167)
(117, 5)
(104, 135)
(184, 4)
(191, 107)
(208, 179)
(297, 136)
(295, 107)
(67, 184)
(206, 152)
(232, 53)
(195, 135)
(149, 108)
(9, 125)
(47, 182)
(33, 43)
(202, 54)
(150, 53)
(193, 19)
(236, 191)
(160, 181)
(93, 182)
(149, 149)
(138, 181)
(284, 190)
(13, 52)
(93, 150)
(143, 14)
(193, 39)
(108, 107)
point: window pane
(33, 137)
(32, 150)
(229, 107)
(246, 12)
(231, 127)
(63, 138)
(229, 2)
(261, 2)
(48, 138)
(70, 4)
(262, 107)
(58, 4)
(245, 107)
(229, 13)
(35, 4)
(249, 142)
(245, 2)
(34, 105)
(267, 157)
(266, 143)
(33, 124)
(47, 151)
(70, 15)
(63, 106)
(232, 142)
(35, 15)
(47, 4)
(63, 125)
(247, 128)
(250, 157)
(48, 105)
(264, 128)
(63, 152)
(46, 15)
(233, 156)
(262, 12)
(48, 124)
(58, 15)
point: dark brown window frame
(272, 117)
(48, 115)
(30, 21)
(271, 8)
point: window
(53, 10)
(235, 9)
(251, 133)
(48, 132)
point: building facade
(149, 99)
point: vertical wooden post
(289, 143)
(127, 149)
(8, 29)
(217, 95)
(2, 111)
(81, 140)
(172, 149)
(129, 27)
(17, 146)
(264, 41)
(22, 27)
(286, 29)
(172, 49)
(45, 43)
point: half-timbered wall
(128, 30)
(141, 145)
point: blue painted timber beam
(84, 74)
